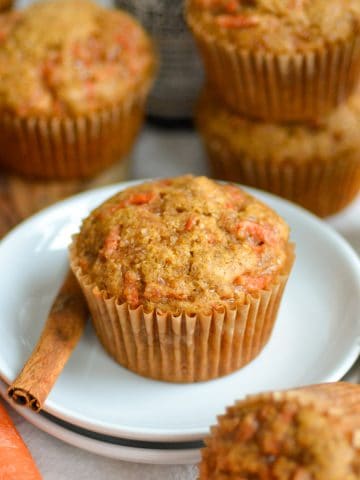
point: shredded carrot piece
(237, 21)
(229, 205)
(190, 223)
(255, 233)
(131, 291)
(252, 283)
(140, 198)
(111, 242)
(232, 6)
(248, 428)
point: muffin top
(282, 437)
(278, 26)
(331, 137)
(186, 243)
(69, 57)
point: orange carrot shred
(252, 283)
(232, 6)
(237, 21)
(15, 459)
(141, 198)
(111, 242)
(190, 223)
(257, 234)
(131, 291)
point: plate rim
(145, 456)
(190, 433)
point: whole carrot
(15, 459)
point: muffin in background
(183, 277)
(74, 78)
(279, 60)
(316, 165)
(5, 5)
(307, 434)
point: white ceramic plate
(316, 338)
(103, 446)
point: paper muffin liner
(280, 87)
(322, 186)
(183, 347)
(70, 147)
(339, 403)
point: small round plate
(316, 337)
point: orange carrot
(15, 459)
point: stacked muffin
(74, 78)
(281, 108)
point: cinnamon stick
(62, 331)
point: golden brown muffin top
(331, 137)
(70, 57)
(281, 437)
(182, 243)
(278, 26)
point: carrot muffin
(306, 434)
(315, 165)
(183, 276)
(73, 80)
(279, 60)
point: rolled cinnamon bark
(312, 433)
(62, 331)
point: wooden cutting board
(20, 198)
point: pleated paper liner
(321, 186)
(181, 347)
(337, 403)
(70, 147)
(275, 87)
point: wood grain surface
(20, 197)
